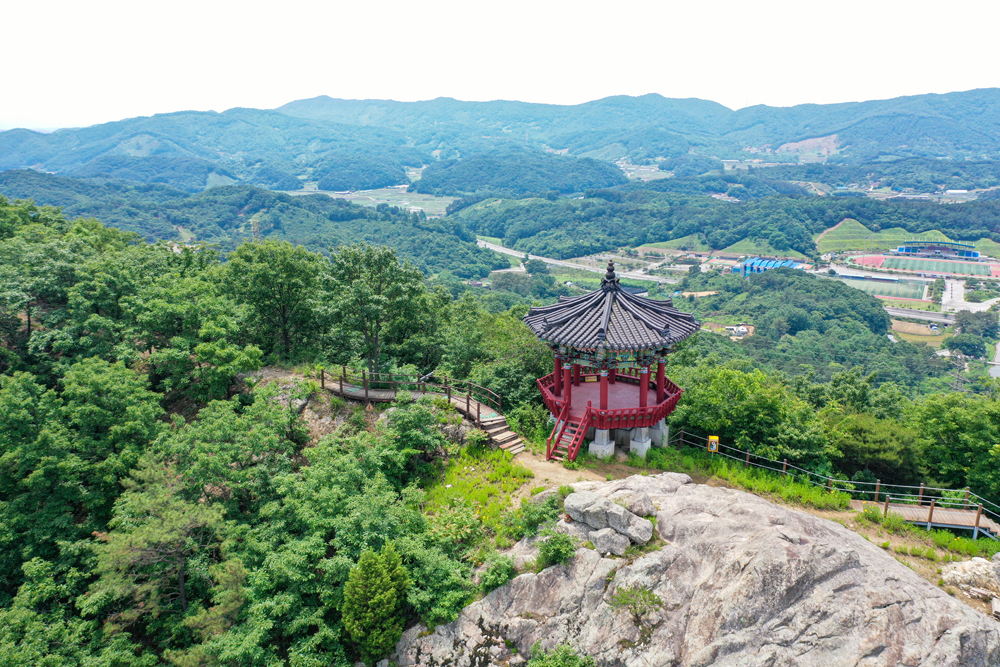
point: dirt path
(551, 473)
(827, 231)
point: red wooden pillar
(611, 375)
(557, 379)
(643, 386)
(661, 376)
(568, 383)
(604, 390)
(576, 375)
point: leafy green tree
(968, 344)
(145, 560)
(282, 285)
(373, 597)
(372, 292)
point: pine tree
(373, 600)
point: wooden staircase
(567, 436)
(502, 436)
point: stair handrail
(581, 434)
(551, 444)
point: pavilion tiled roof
(612, 316)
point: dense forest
(608, 219)
(225, 216)
(517, 173)
(163, 503)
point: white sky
(73, 63)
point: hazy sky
(73, 63)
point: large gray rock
(974, 573)
(609, 541)
(636, 502)
(744, 583)
(598, 512)
(573, 529)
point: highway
(635, 275)
(920, 315)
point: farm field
(936, 266)
(429, 204)
(760, 247)
(878, 288)
(691, 242)
(852, 235)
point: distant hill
(364, 144)
(226, 215)
(193, 150)
(955, 124)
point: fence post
(681, 446)
(468, 400)
(930, 514)
(343, 372)
(322, 379)
(784, 468)
(975, 530)
(364, 381)
(885, 510)
(965, 505)
(479, 422)
(920, 498)
(341, 385)
(448, 389)
(829, 485)
(748, 460)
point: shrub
(373, 598)
(556, 548)
(535, 514)
(637, 601)
(563, 655)
(499, 571)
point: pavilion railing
(384, 386)
(623, 418)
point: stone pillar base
(640, 442)
(603, 446)
(659, 433)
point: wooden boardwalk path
(938, 517)
(477, 403)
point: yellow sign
(713, 443)
(591, 378)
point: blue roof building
(758, 265)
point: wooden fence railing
(383, 386)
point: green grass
(852, 235)
(496, 240)
(928, 306)
(936, 266)
(878, 288)
(761, 247)
(988, 247)
(484, 478)
(754, 480)
(691, 242)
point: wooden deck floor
(942, 517)
(621, 395)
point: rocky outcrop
(743, 582)
(601, 514)
(974, 573)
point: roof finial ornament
(610, 278)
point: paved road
(920, 315)
(572, 265)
